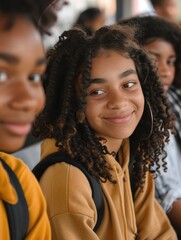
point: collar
(7, 191)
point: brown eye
(97, 92)
(171, 62)
(129, 84)
(36, 77)
(3, 76)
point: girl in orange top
(22, 65)
(101, 111)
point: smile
(119, 119)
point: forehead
(109, 61)
(7, 20)
(161, 44)
(170, 2)
(20, 36)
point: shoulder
(26, 178)
(29, 184)
(38, 221)
(21, 170)
(67, 190)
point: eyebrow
(158, 55)
(122, 75)
(9, 58)
(41, 61)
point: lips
(119, 119)
(17, 128)
(166, 87)
(165, 84)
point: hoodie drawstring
(122, 209)
(132, 210)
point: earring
(148, 115)
(145, 126)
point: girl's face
(115, 100)
(163, 54)
(98, 22)
(169, 9)
(22, 63)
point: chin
(12, 146)
(122, 134)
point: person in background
(161, 38)
(104, 88)
(91, 19)
(30, 151)
(50, 10)
(168, 9)
(22, 66)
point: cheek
(89, 112)
(92, 111)
(140, 104)
(172, 75)
(5, 97)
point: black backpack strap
(59, 157)
(17, 214)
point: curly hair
(66, 83)
(32, 9)
(150, 28)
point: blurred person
(161, 38)
(91, 20)
(30, 152)
(50, 10)
(22, 66)
(168, 9)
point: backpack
(17, 214)
(97, 193)
(59, 157)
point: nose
(164, 70)
(27, 97)
(117, 100)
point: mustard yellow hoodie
(72, 212)
(39, 228)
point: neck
(112, 145)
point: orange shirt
(38, 221)
(72, 211)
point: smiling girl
(101, 111)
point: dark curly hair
(34, 10)
(149, 28)
(63, 117)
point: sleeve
(168, 184)
(152, 222)
(71, 209)
(39, 226)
